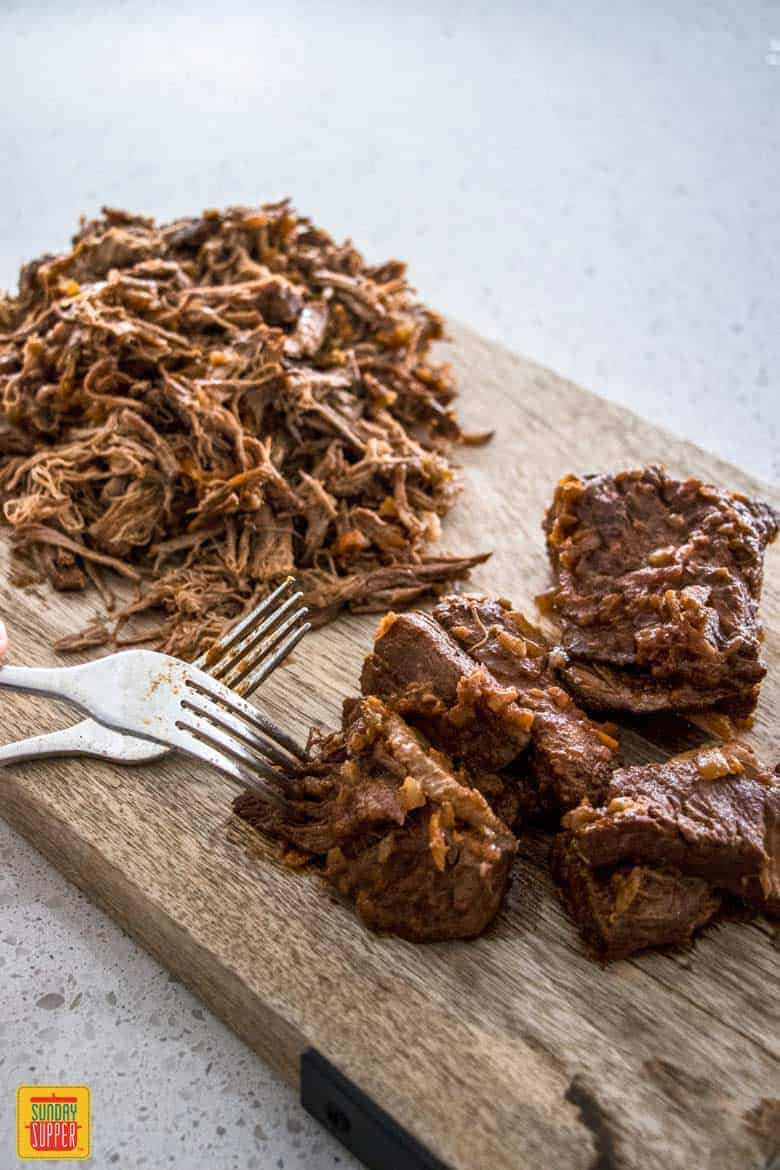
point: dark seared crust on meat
(395, 828)
(418, 668)
(632, 907)
(713, 813)
(570, 756)
(658, 587)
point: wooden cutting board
(512, 1051)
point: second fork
(246, 654)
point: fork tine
(238, 650)
(240, 709)
(253, 680)
(250, 659)
(91, 738)
(222, 737)
(194, 737)
(207, 743)
(262, 744)
(211, 658)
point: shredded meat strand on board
(208, 405)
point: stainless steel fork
(173, 703)
(243, 658)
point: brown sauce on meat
(658, 584)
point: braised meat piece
(713, 813)
(632, 907)
(476, 678)
(570, 757)
(457, 703)
(497, 636)
(658, 583)
(396, 829)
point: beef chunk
(712, 813)
(633, 907)
(458, 704)
(498, 637)
(658, 583)
(570, 757)
(395, 828)
(399, 887)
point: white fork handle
(87, 738)
(58, 682)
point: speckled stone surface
(170, 1086)
(593, 184)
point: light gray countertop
(595, 185)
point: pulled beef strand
(211, 404)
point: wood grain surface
(512, 1051)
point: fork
(243, 657)
(175, 704)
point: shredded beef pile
(658, 588)
(205, 406)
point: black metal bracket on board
(359, 1124)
